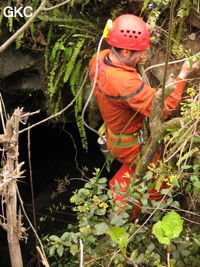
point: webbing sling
(120, 143)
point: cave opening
(56, 155)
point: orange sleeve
(174, 98)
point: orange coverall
(124, 100)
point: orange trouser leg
(121, 178)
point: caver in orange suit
(124, 100)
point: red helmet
(129, 32)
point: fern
(57, 105)
(58, 78)
(74, 28)
(10, 23)
(75, 76)
(51, 88)
(75, 81)
(81, 127)
(46, 54)
(59, 45)
(51, 19)
(68, 20)
(32, 30)
(187, 155)
(70, 64)
(1, 15)
(19, 40)
(145, 4)
(78, 112)
(84, 36)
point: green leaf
(148, 176)
(74, 249)
(109, 161)
(150, 186)
(185, 167)
(54, 50)
(151, 247)
(144, 200)
(117, 220)
(169, 201)
(88, 185)
(134, 255)
(159, 233)
(66, 239)
(145, 4)
(175, 204)
(60, 251)
(118, 235)
(187, 155)
(175, 182)
(101, 228)
(102, 181)
(195, 180)
(52, 250)
(135, 195)
(165, 191)
(70, 64)
(170, 227)
(55, 238)
(172, 224)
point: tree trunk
(12, 129)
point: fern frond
(84, 36)
(70, 64)
(51, 87)
(18, 41)
(46, 54)
(68, 20)
(59, 76)
(57, 46)
(74, 77)
(75, 28)
(80, 124)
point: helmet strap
(125, 61)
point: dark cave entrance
(53, 157)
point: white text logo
(18, 11)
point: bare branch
(33, 229)
(81, 253)
(44, 261)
